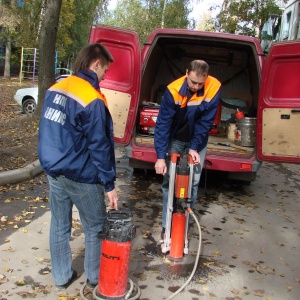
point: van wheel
(245, 177)
(138, 164)
(29, 106)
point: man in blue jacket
(185, 117)
(76, 150)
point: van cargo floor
(217, 145)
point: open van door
(278, 137)
(121, 84)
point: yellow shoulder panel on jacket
(211, 87)
(174, 88)
(78, 89)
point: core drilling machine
(175, 240)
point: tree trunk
(47, 49)
(7, 59)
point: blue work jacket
(201, 110)
(76, 132)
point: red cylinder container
(114, 267)
(177, 235)
(116, 236)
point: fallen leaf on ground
(259, 293)
(20, 282)
(235, 291)
(4, 218)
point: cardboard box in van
(268, 90)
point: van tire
(138, 164)
(246, 177)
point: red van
(265, 90)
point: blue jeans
(182, 148)
(89, 200)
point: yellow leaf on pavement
(4, 218)
(20, 282)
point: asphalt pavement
(249, 238)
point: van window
(286, 25)
(298, 27)
(284, 81)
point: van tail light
(246, 166)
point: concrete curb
(22, 174)
(34, 169)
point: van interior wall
(237, 74)
(234, 67)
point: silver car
(27, 98)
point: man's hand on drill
(195, 156)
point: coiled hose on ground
(133, 288)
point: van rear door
(121, 84)
(278, 127)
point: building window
(286, 25)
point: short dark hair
(88, 54)
(201, 67)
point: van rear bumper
(231, 163)
(140, 157)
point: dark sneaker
(71, 280)
(90, 285)
(87, 290)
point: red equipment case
(148, 117)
